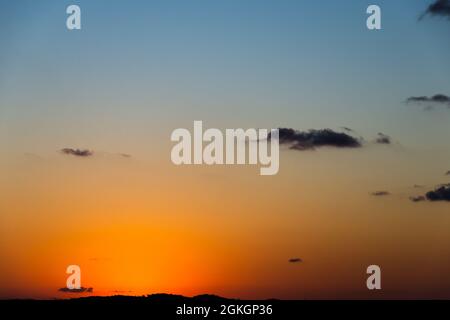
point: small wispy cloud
(348, 129)
(383, 138)
(380, 193)
(295, 260)
(79, 290)
(125, 155)
(77, 152)
(417, 198)
(122, 291)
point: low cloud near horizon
(80, 290)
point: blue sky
(302, 64)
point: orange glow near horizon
(136, 231)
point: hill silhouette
(159, 305)
(156, 298)
(165, 306)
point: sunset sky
(137, 224)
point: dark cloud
(417, 198)
(383, 139)
(295, 260)
(309, 140)
(436, 99)
(80, 290)
(448, 173)
(77, 152)
(380, 193)
(438, 8)
(347, 129)
(442, 193)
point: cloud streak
(80, 290)
(312, 139)
(380, 193)
(441, 99)
(77, 152)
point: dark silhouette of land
(153, 298)
(165, 306)
(158, 306)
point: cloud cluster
(442, 193)
(77, 152)
(438, 8)
(312, 139)
(383, 139)
(80, 290)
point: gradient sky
(139, 69)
